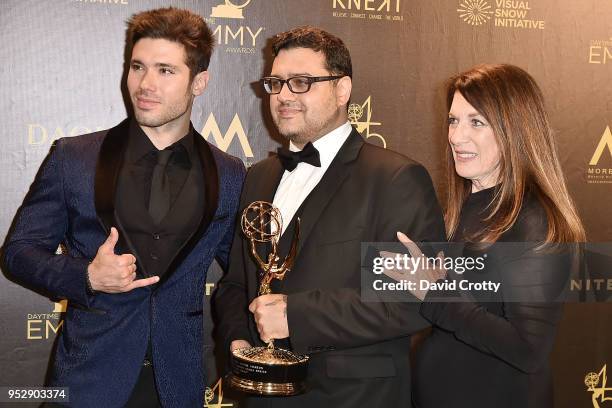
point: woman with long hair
(507, 198)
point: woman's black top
(492, 349)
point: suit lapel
(266, 189)
(335, 175)
(108, 166)
(210, 175)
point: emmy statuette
(268, 370)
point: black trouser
(144, 394)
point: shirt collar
(329, 144)
(140, 146)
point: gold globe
(262, 222)
(355, 112)
(591, 380)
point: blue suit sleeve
(39, 227)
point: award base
(268, 371)
(265, 388)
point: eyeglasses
(296, 84)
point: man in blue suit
(142, 209)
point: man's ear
(344, 87)
(199, 83)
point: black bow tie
(309, 154)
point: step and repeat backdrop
(62, 72)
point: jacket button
(154, 256)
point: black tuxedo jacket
(359, 350)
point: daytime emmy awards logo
(596, 174)
(237, 39)
(44, 326)
(605, 141)
(596, 384)
(213, 393)
(600, 51)
(223, 141)
(355, 113)
(475, 12)
(61, 306)
(229, 10)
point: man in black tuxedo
(345, 192)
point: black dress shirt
(157, 244)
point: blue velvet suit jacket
(101, 347)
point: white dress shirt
(295, 185)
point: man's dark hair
(337, 56)
(180, 26)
